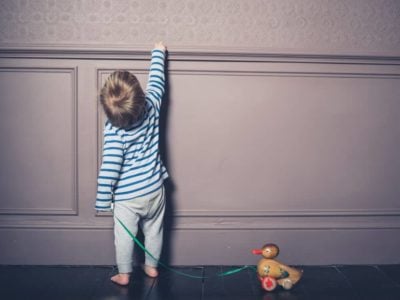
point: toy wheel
(268, 283)
(287, 284)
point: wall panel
(286, 142)
(38, 130)
(271, 150)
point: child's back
(132, 165)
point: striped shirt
(132, 165)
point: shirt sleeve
(113, 154)
(156, 83)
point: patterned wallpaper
(293, 26)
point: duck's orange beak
(257, 251)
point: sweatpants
(146, 212)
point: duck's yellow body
(272, 272)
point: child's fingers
(160, 45)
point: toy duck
(272, 272)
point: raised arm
(110, 170)
(156, 83)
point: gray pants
(146, 212)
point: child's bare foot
(150, 271)
(121, 279)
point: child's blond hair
(123, 99)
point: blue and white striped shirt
(132, 165)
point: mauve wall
(281, 124)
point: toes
(150, 271)
(120, 279)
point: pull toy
(272, 272)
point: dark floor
(325, 282)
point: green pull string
(227, 273)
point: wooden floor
(325, 282)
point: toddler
(132, 173)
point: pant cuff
(151, 263)
(124, 268)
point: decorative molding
(233, 221)
(289, 213)
(328, 70)
(186, 54)
(39, 212)
(175, 56)
(73, 71)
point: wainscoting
(299, 150)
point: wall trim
(218, 223)
(290, 213)
(73, 71)
(188, 213)
(178, 54)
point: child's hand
(160, 46)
